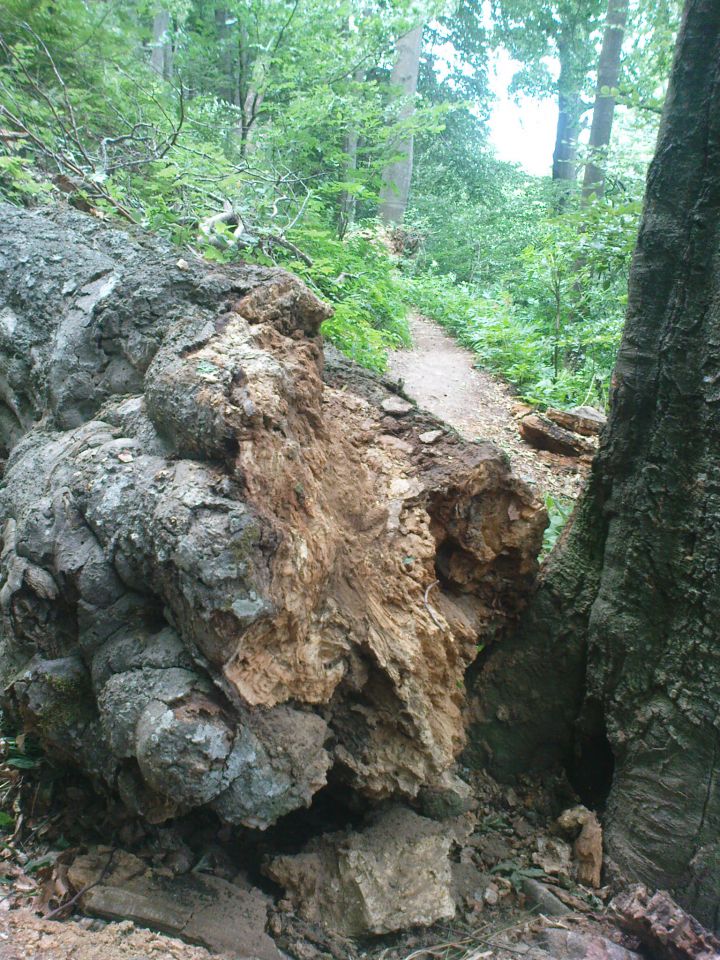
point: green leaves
(551, 322)
(559, 511)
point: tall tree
(535, 30)
(397, 175)
(161, 57)
(616, 667)
(348, 197)
(605, 96)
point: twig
(275, 240)
(68, 105)
(73, 900)
(429, 609)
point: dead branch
(11, 135)
(86, 165)
(243, 236)
(278, 241)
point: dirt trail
(441, 376)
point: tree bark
(615, 670)
(161, 58)
(397, 176)
(604, 108)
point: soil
(441, 376)
(24, 936)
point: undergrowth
(551, 325)
(559, 510)
(363, 284)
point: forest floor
(441, 376)
(25, 936)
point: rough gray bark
(604, 108)
(619, 650)
(397, 176)
(218, 574)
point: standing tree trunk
(397, 176)
(348, 199)
(604, 109)
(228, 86)
(346, 215)
(616, 668)
(161, 58)
(564, 166)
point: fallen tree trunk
(220, 576)
(543, 434)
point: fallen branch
(278, 241)
(243, 237)
(12, 135)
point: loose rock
(396, 406)
(201, 908)
(393, 875)
(542, 433)
(430, 436)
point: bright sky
(521, 132)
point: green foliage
(559, 511)
(17, 180)
(18, 755)
(516, 873)
(552, 324)
(253, 118)
(477, 213)
(534, 30)
(362, 283)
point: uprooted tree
(231, 571)
(222, 577)
(615, 669)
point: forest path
(441, 376)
